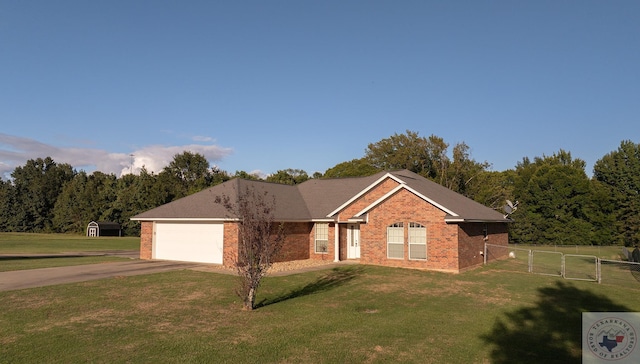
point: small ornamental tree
(260, 240)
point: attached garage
(200, 242)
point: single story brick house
(397, 218)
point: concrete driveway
(51, 276)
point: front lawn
(10, 263)
(351, 314)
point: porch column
(336, 238)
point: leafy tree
(6, 205)
(427, 157)
(619, 175)
(260, 239)
(288, 176)
(218, 176)
(555, 201)
(83, 199)
(187, 173)
(136, 194)
(602, 214)
(246, 175)
(72, 208)
(404, 151)
(462, 174)
(492, 188)
(353, 168)
(37, 186)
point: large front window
(322, 237)
(395, 241)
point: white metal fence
(569, 266)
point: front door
(353, 241)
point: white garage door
(190, 242)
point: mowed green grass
(29, 243)
(350, 314)
(45, 244)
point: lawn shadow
(549, 332)
(335, 278)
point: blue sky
(261, 86)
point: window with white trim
(395, 241)
(417, 241)
(322, 237)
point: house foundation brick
(146, 240)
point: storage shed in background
(104, 228)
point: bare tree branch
(261, 239)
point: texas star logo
(611, 338)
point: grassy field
(351, 314)
(28, 243)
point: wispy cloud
(199, 138)
(15, 151)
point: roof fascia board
(367, 189)
(399, 187)
(182, 219)
(459, 220)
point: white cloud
(203, 139)
(15, 151)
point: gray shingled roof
(315, 199)
(465, 208)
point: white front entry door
(353, 241)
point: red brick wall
(472, 240)
(146, 239)
(230, 248)
(471, 244)
(497, 234)
(296, 242)
(331, 246)
(405, 207)
(367, 199)
(295, 246)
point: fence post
(530, 261)
(598, 270)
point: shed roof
(106, 225)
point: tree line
(558, 203)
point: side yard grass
(25, 243)
(47, 245)
(350, 314)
